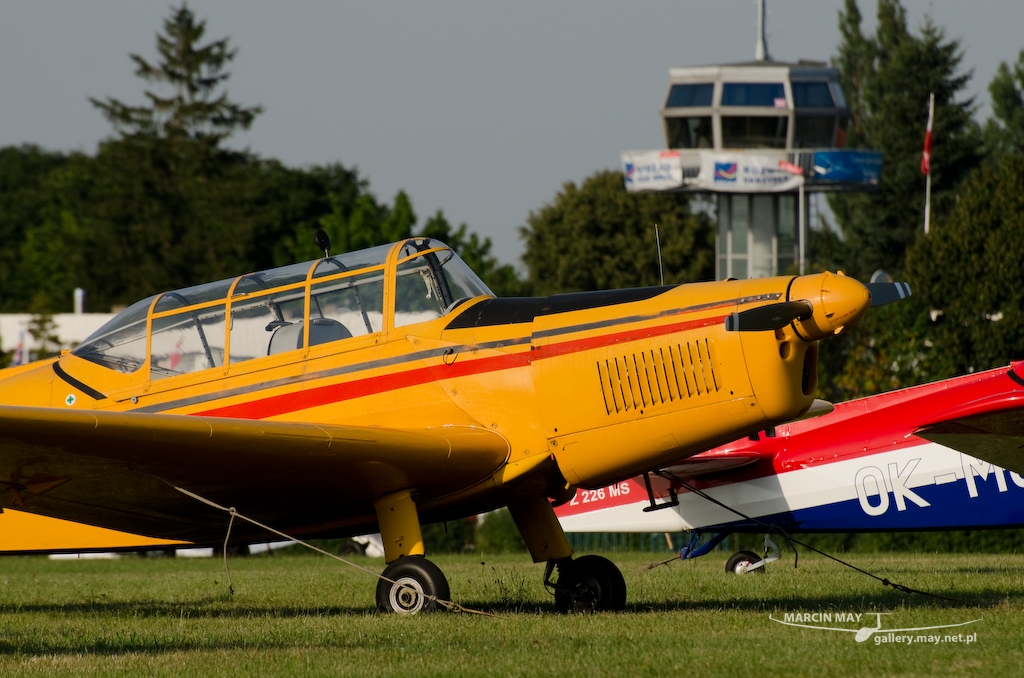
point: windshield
(259, 314)
(431, 281)
(121, 343)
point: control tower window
(814, 131)
(754, 131)
(769, 94)
(690, 96)
(812, 95)
(690, 132)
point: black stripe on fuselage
(84, 388)
(514, 310)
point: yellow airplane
(386, 388)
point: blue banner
(847, 167)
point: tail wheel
(740, 561)
(417, 586)
(590, 584)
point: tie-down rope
(447, 604)
(775, 529)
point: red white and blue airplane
(942, 456)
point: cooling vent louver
(658, 376)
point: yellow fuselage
(610, 390)
(606, 386)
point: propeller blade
(883, 293)
(768, 317)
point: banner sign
(745, 173)
(652, 170)
(749, 172)
(847, 167)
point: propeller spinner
(824, 304)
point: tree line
(163, 203)
(966, 314)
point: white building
(70, 329)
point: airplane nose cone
(838, 302)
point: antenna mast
(661, 269)
(761, 46)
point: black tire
(418, 585)
(590, 584)
(738, 562)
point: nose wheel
(740, 562)
(416, 585)
(587, 584)
(748, 561)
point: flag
(926, 156)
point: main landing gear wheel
(418, 585)
(740, 561)
(590, 584)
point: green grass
(307, 615)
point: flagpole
(927, 164)
(927, 200)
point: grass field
(306, 615)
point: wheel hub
(407, 596)
(585, 595)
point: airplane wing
(118, 470)
(22, 532)
(996, 437)
(990, 428)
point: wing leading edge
(118, 470)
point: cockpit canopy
(285, 309)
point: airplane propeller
(768, 317)
(778, 315)
(883, 293)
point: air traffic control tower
(760, 136)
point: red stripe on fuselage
(334, 393)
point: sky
(481, 109)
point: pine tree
(1004, 132)
(167, 206)
(887, 79)
(194, 73)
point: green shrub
(497, 533)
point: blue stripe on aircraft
(952, 508)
